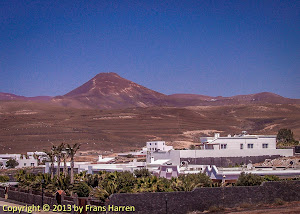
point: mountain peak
(107, 74)
(109, 90)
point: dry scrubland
(28, 126)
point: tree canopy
(12, 163)
(285, 136)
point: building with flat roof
(23, 160)
(225, 151)
(232, 174)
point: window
(223, 146)
(169, 170)
(32, 164)
(241, 146)
(250, 145)
(265, 145)
(24, 164)
(155, 144)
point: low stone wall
(33, 197)
(227, 161)
(2, 192)
(203, 198)
(178, 202)
(29, 198)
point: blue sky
(202, 47)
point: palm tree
(64, 156)
(51, 156)
(71, 150)
(58, 153)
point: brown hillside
(28, 126)
(181, 100)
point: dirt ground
(26, 126)
(282, 208)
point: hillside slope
(28, 126)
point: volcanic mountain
(109, 90)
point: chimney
(151, 159)
(217, 135)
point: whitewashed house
(158, 146)
(225, 151)
(23, 160)
(239, 143)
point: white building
(239, 142)
(93, 168)
(23, 160)
(232, 174)
(221, 151)
(101, 159)
(158, 146)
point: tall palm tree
(58, 153)
(71, 150)
(64, 156)
(51, 156)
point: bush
(192, 147)
(249, 180)
(11, 163)
(4, 178)
(82, 190)
(189, 182)
(142, 173)
(271, 178)
(285, 136)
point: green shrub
(4, 178)
(142, 173)
(249, 180)
(11, 163)
(189, 182)
(285, 136)
(82, 190)
(271, 178)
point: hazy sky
(203, 47)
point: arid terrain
(29, 126)
(279, 208)
(110, 113)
